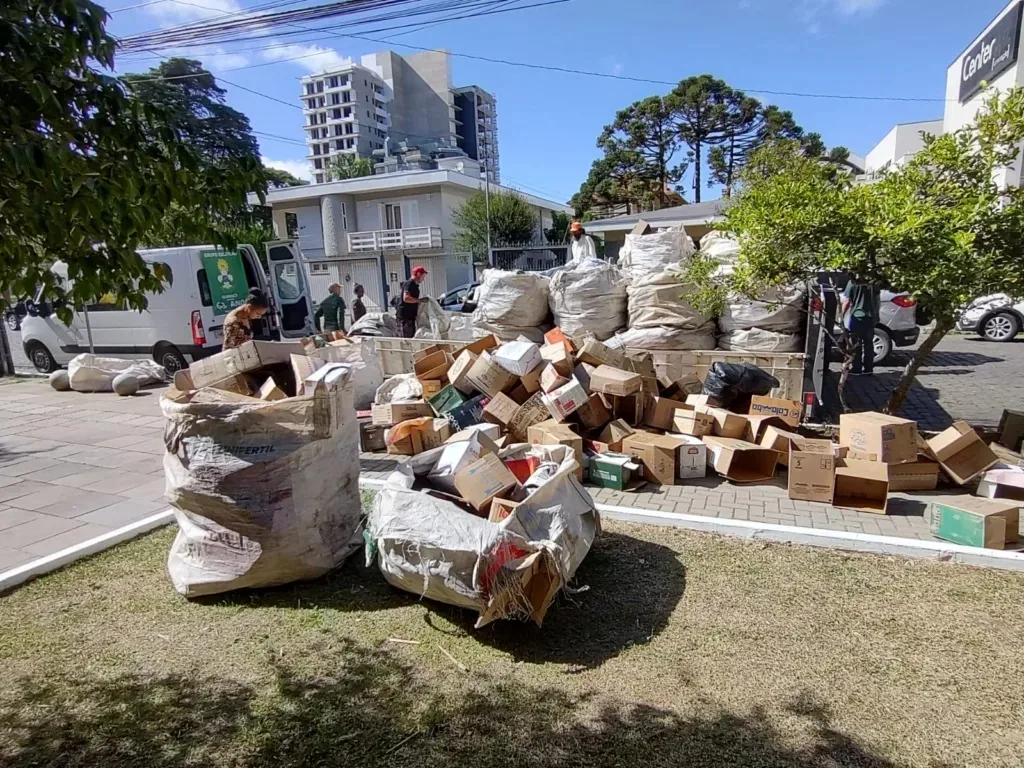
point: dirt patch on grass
(686, 650)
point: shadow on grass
(367, 708)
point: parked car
(998, 317)
(14, 314)
(184, 322)
(462, 298)
(897, 324)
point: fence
(529, 257)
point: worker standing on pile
(332, 310)
(411, 299)
(358, 308)
(581, 247)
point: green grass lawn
(686, 650)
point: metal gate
(529, 258)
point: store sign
(996, 52)
(226, 275)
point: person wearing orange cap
(410, 305)
(581, 247)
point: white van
(185, 322)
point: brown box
(1011, 429)
(740, 461)
(659, 412)
(566, 400)
(861, 485)
(531, 381)
(413, 437)
(395, 413)
(554, 433)
(533, 411)
(480, 346)
(790, 411)
(371, 437)
(778, 440)
(250, 356)
(490, 378)
(559, 356)
(484, 480)
(689, 421)
(657, 453)
(583, 372)
(434, 367)
(551, 379)
(270, 391)
(920, 475)
(702, 400)
(594, 415)
(630, 409)
(595, 353)
(756, 426)
(519, 393)
(500, 410)
(975, 522)
(458, 374)
(431, 387)
(892, 439)
(500, 509)
(426, 352)
(613, 434)
(812, 471)
(727, 424)
(614, 381)
(961, 452)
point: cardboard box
(689, 421)
(480, 346)
(706, 401)
(566, 400)
(250, 356)
(690, 384)
(740, 461)
(593, 414)
(560, 356)
(1011, 429)
(483, 480)
(812, 471)
(630, 409)
(446, 400)
(551, 379)
(756, 426)
(961, 452)
(457, 456)
(493, 431)
(615, 381)
(500, 509)
(613, 435)
(556, 433)
(303, 367)
(657, 453)
(413, 437)
(325, 378)
(892, 439)
(778, 440)
(790, 411)
(861, 485)
(557, 336)
(371, 437)
(490, 378)
(975, 522)
(533, 411)
(500, 410)
(612, 470)
(469, 413)
(519, 394)
(458, 374)
(271, 392)
(583, 372)
(518, 357)
(432, 387)
(531, 381)
(659, 412)
(524, 467)
(1002, 483)
(920, 475)
(434, 366)
(692, 455)
(727, 424)
(596, 354)
(395, 413)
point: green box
(448, 399)
(611, 470)
(976, 522)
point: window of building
(348, 128)
(364, 82)
(318, 164)
(335, 98)
(319, 178)
(318, 268)
(333, 82)
(337, 130)
(327, 148)
(309, 89)
(339, 144)
(336, 114)
(320, 86)
(316, 149)
(350, 143)
(346, 97)
(367, 113)
(392, 216)
(346, 112)
(344, 215)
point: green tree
(280, 179)
(645, 134)
(346, 166)
(945, 227)
(559, 231)
(615, 179)
(513, 222)
(700, 109)
(89, 169)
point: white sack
(776, 309)
(589, 299)
(760, 340)
(659, 300)
(265, 493)
(374, 324)
(432, 322)
(663, 339)
(366, 375)
(92, 373)
(461, 328)
(513, 569)
(398, 389)
(642, 254)
(720, 247)
(510, 304)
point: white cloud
(850, 7)
(813, 12)
(314, 58)
(173, 12)
(294, 167)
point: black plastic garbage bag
(728, 382)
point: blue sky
(549, 121)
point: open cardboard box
(976, 522)
(861, 485)
(739, 461)
(961, 452)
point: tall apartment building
(357, 108)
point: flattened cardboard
(490, 378)
(484, 480)
(458, 374)
(812, 471)
(778, 440)
(614, 433)
(975, 522)
(892, 439)
(596, 354)
(593, 414)
(500, 410)
(395, 413)
(689, 421)
(614, 381)
(861, 485)
(790, 411)
(692, 456)
(559, 356)
(518, 357)
(962, 453)
(739, 461)
(551, 379)
(250, 356)
(566, 400)
(727, 424)
(657, 453)
(659, 412)
(533, 411)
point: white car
(185, 322)
(998, 317)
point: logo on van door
(225, 273)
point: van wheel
(41, 357)
(170, 358)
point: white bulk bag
(659, 300)
(374, 324)
(720, 247)
(646, 253)
(399, 389)
(776, 309)
(366, 375)
(91, 373)
(666, 339)
(510, 304)
(760, 340)
(589, 299)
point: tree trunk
(731, 166)
(943, 325)
(696, 172)
(6, 361)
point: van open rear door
(290, 289)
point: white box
(325, 377)
(692, 462)
(518, 357)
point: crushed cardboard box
(500, 410)
(657, 453)
(727, 424)
(593, 415)
(613, 434)
(484, 480)
(566, 400)
(434, 366)
(415, 436)
(1003, 482)
(739, 461)
(388, 414)
(250, 356)
(778, 440)
(689, 421)
(458, 374)
(597, 354)
(659, 412)
(560, 356)
(556, 433)
(270, 392)
(489, 377)
(551, 379)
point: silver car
(998, 317)
(897, 324)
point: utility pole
(487, 206)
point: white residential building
(899, 145)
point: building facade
(899, 145)
(357, 108)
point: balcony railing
(394, 239)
